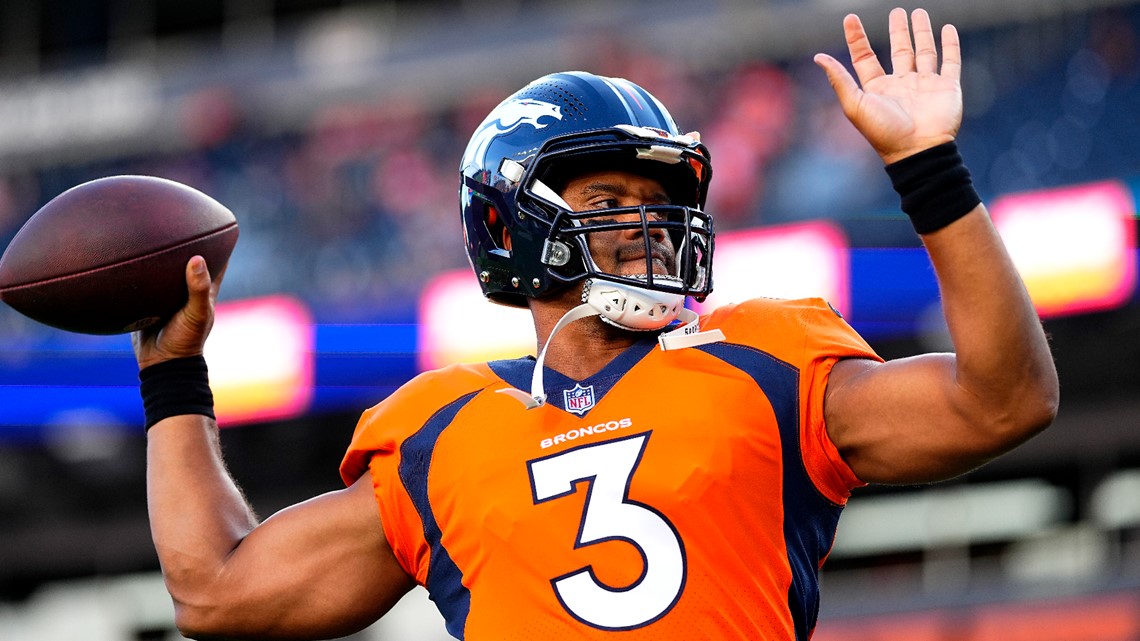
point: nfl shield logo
(580, 399)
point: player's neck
(582, 351)
(582, 348)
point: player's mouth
(633, 261)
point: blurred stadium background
(333, 129)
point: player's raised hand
(185, 333)
(917, 105)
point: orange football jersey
(687, 494)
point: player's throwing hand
(185, 333)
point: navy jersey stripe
(444, 579)
(810, 519)
(517, 373)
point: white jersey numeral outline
(610, 514)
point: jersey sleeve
(375, 451)
(810, 335)
(828, 338)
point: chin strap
(687, 335)
(537, 394)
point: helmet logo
(505, 119)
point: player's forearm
(1004, 368)
(197, 513)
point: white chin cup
(627, 307)
(630, 307)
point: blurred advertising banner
(1103, 617)
(1074, 246)
(798, 260)
(260, 355)
(459, 325)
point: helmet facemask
(677, 163)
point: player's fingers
(925, 53)
(216, 283)
(902, 51)
(951, 53)
(144, 342)
(846, 89)
(184, 333)
(863, 58)
(143, 339)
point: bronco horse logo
(506, 118)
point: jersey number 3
(609, 514)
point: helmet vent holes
(572, 106)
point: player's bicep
(319, 569)
(903, 421)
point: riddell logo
(582, 432)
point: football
(109, 256)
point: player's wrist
(934, 187)
(157, 356)
(176, 387)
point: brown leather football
(109, 256)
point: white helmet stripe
(626, 89)
(612, 83)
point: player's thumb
(845, 87)
(198, 307)
(185, 333)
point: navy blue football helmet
(547, 133)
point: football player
(651, 473)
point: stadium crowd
(356, 211)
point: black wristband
(935, 187)
(174, 388)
